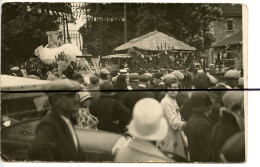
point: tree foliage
(189, 23)
(23, 31)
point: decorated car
(24, 105)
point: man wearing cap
(199, 127)
(147, 126)
(79, 78)
(158, 84)
(56, 138)
(143, 82)
(213, 81)
(94, 87)
(113, 116)
(104, 75)
(149, 77)
(232, 78)
(231, 122)
(133, 81)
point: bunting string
(76, 14)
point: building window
(230, 25)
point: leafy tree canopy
(23, 31)
(189, 23)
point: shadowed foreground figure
(199, 127)
(113, 116)
(56, 138)
(147, 126)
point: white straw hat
(148, 122)
(83, 96)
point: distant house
(228, 35)
(231, 23)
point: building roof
(118, 56)
(231, 9)
(154, 40)
(236, 38)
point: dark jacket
(221, 132)
(149, 87)
(198, 131)
(157, 90)
(113, 116)
(132, 97)
(54, 142)
(161, 95)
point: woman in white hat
(83, 117)
(147, 126)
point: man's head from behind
(233, 101)
(157, 78)
(201, 101)
(201, 81)
(232, 78)
(104, 74)
(94, 80)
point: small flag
(28, 8)
(50, 12)
(39, 11)
(45, 11)
(123, 19)
(60, 13)
(55, 12)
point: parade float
(155, 50)
(57, 54)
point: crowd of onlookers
(198, 121)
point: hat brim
(158, 135)
(135, 80)
(85, 98)
(107, 94)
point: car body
(23, 104)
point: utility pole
(100, 31)
(64, 30)
(125, 22)
(68, 34)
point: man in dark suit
(199, 127)
(113, 116)
(56, 138)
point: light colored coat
(141, 151)
(175, 141)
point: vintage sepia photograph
(123, 82)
